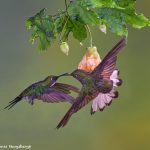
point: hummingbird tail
(65, 119)
(13, 102)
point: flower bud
(103, 28)
(90, 60)
(64, 48)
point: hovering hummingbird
(96, 82)
(46, 90)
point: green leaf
(67, 28)
(28, 24)
(43, 28)
(116, 15)
(59, 22)
(114, 20)
(107, 3)
(117, 19)
(83, 14)
(79, 31)
(136, 20)
(125, 3)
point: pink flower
(90, 60)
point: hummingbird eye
(53, 78)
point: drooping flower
(89, 62)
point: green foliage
(114, 20)
(79, 14)
(83, 14)
(43, 28)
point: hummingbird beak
(65, 74)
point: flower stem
(66, 7)
(90, 34)
(60, 36)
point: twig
(66, 6)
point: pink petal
(95, 104)
(114, 75)
(111, 93)
(108, 98)
(115, 81)
(101, 102)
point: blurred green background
(125, 125)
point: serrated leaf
(107, 3)
(136, 20)
(117, 19)
(44, 41)
(83, 14)
(113, 14)
(125, 3)
(59, 22)
(114, 20)
(28, 24)
(43, 28)
(79, 31)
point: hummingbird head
(52, 78)
(80, 75)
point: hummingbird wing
(80, 102)
(55, 96)
(66, 88)
(59, 92)
(27, 93)
(107, 66)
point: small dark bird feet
(31, 101)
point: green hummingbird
(99, 81)
(46, 90)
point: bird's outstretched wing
(59, 93)
(80, 102)
(66, 88)
(107, 66)
(55, 96)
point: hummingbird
(46, 90)
(95, 82)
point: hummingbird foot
(30, 100)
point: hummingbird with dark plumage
(102, 80)
(46, 90)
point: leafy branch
(79, 15)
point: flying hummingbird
(46, 90)
(95, 82)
